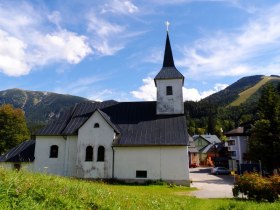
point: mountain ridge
(39, 106)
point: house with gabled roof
(207, 146)
(130, 141)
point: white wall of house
(240, 147)
(168, 163)
(95, 137)
(170, 104)
(43, 162)
(70, 157)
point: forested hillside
(229, 94)
(216, 113)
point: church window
(141, 174)
(54, 151)
(169, 90)
(101, 154)
(89, 153)
(96, 125)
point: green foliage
(258, 188)
(264, 143)
(13, 128)
(23, 190)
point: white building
(130, 141)
(237, 143)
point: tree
(264, 143)
(13, 128)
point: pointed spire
(168, 56)
(168, 70)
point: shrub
(256, 187)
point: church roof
(168, 70)
(136, 122)
(23, 152)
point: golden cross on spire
(167, 25)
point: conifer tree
(264, 143)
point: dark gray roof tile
(23, 152)
(169, 73)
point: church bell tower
(169, 82)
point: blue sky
(112, 49)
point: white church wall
(170, 104)
(169, 163)
(95, 137)
(70, 159)
(43, 162)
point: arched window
(54, 151)
(101, 154)
(89, 153)
(169, 90)
(96, 125)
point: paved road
(211, 186)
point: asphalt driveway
(210, 186)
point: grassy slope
(243, 96)
(22, 190)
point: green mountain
(253, 92)
(234, 106)
(241, 91)
(39, 107)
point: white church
(128, 141)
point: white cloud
(55, 18)
(25, 43)
(120, 6)
(61, 45)
(12, 55)
(237, 53)
(218, 87)
(147, 91)
(109, 26)
(192, 94)
(105, 35)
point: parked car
(193, 165)
(220, 170)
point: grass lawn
(23, 190)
